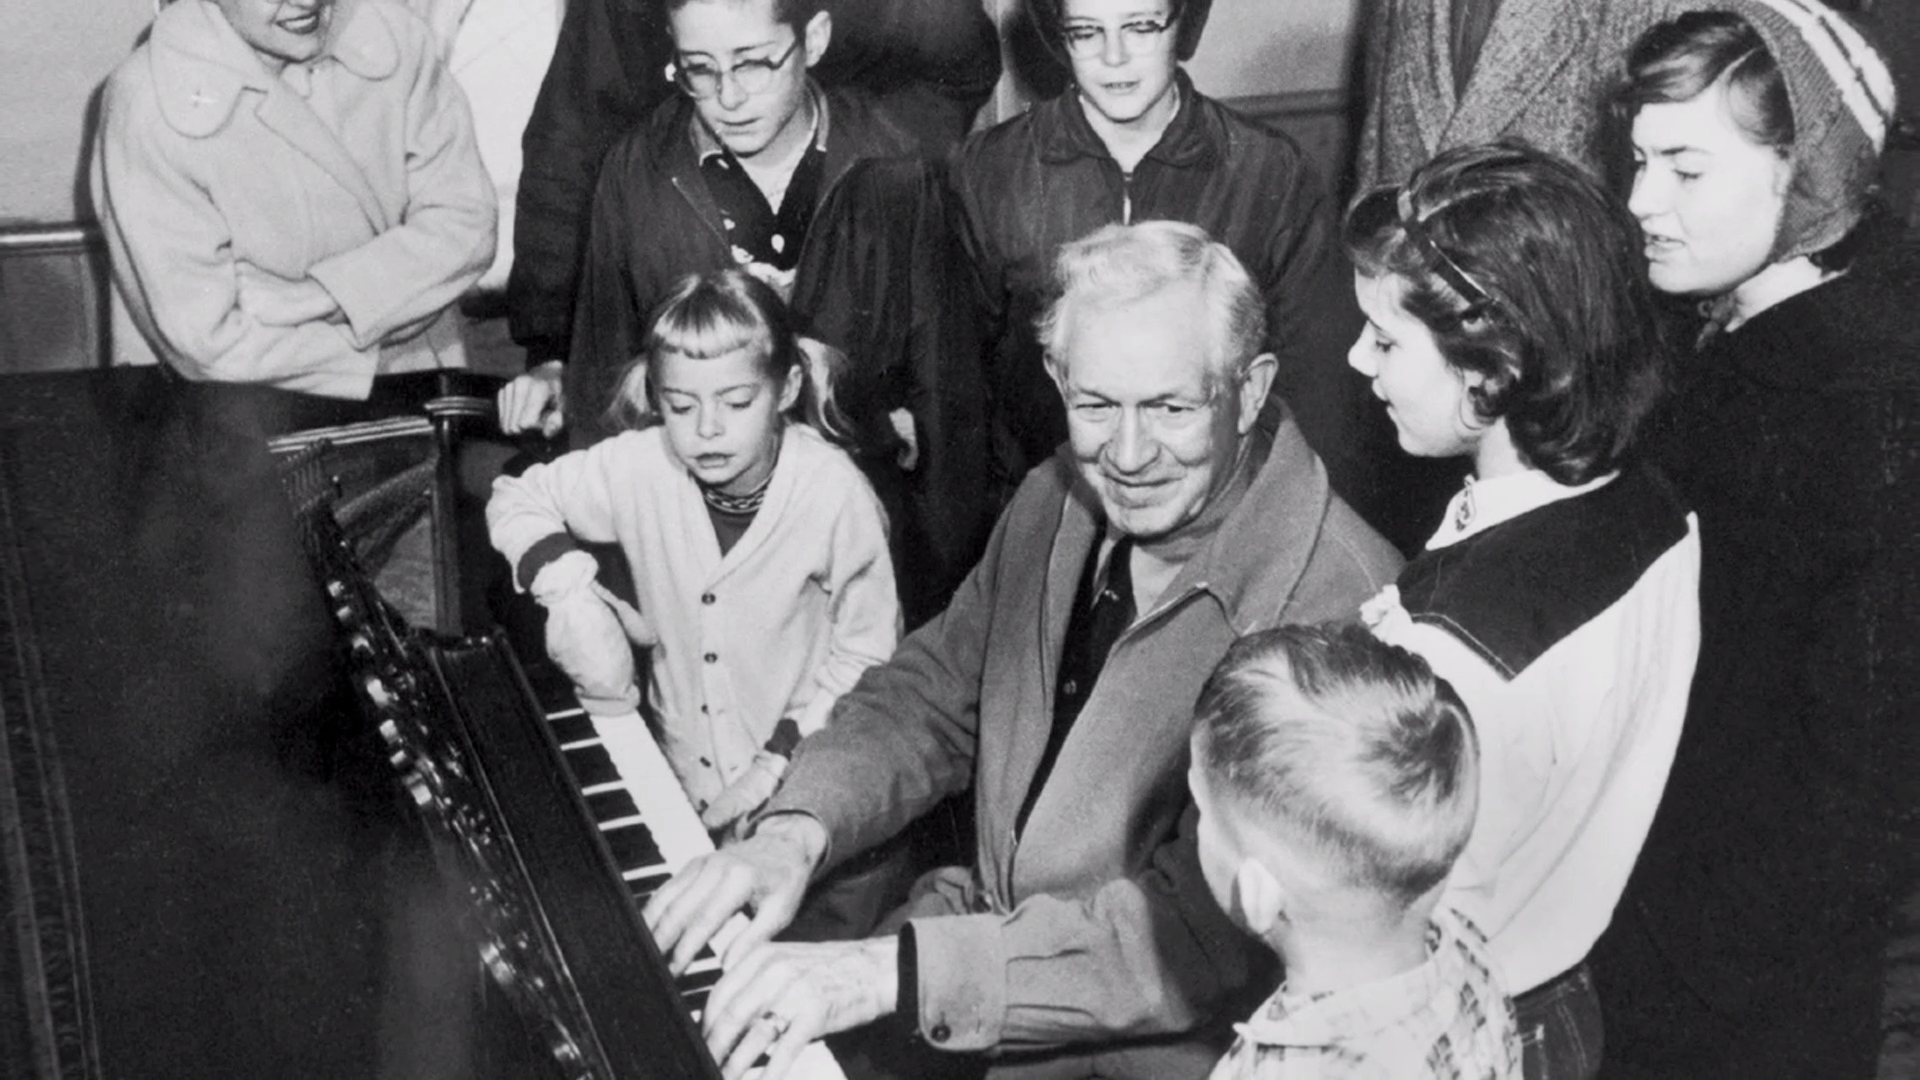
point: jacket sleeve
(609, 317)
(172, 260)
(606, 75)
(1146, 955)
(1378, 26)
(445, 239)
(570, 495)
(905, 736)
(865, 622)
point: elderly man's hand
(534, 400)
(767, 874)
(780, 997)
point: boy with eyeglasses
(823, 194)
(1132, 140)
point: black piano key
(633, 846)
(696, 1002)
(591, 765)
(643, 888)
(697, 980)
(611, 805)
(573, 729)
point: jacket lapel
(1525, 47)
(287, 115)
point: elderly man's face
(1155, 432)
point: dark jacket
(878, 277)
(1751, 937)
(932, 64)
(1042, 179)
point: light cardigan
(371, 185)
(781, 625)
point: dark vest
(1512, 592)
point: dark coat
(1039, 180)
(1750, 938)
(878, 277)
(931, 64)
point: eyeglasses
(751, 76)
(1086, 41)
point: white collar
(1482, 504)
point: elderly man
(1184, 511)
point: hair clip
(1476, 297)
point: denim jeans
(1560, 1033)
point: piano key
(592, 766)
(653, 831)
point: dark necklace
(737, 505)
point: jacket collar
(200, 64)
(1526, 45)
(1194, 138)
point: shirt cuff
(959, 982)
(544, 550)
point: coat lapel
(287, 115)
(1525, 47)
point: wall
(53, 55)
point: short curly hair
(1565, 331)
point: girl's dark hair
(1528, 273)
(712, 314)
(1189, 19)
(1684, 57)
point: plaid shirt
(1446, 1018)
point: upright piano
(255, 823)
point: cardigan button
(711, 657)
(706, 598)
(940, 1033)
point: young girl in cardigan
(758, 551)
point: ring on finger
(777, 1023)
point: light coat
(207, 167)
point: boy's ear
(817, 35)
(1259, 895)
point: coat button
(706, 598)
(940, 1033)
(1071, 688)
(711, 657)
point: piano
(559, 824)
(252, 824)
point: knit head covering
(1841, 94)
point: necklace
(738, 505)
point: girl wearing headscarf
(1750, 939)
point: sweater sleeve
(445, 238)
(572, 495)
(865, 621)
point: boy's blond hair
(1346, 748)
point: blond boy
(1336, 779)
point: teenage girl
(1510, 322)
(758, 551)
